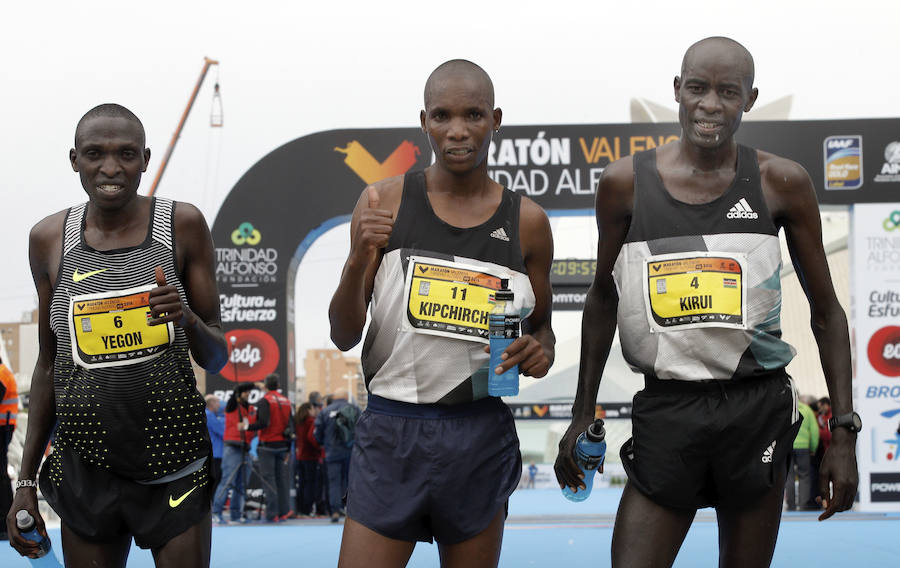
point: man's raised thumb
(374, 200)
(160, 276)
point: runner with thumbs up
(126, 292)
(428, 250)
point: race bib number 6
(110, 329)
(449, 298)
(696, 289)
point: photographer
(274, 422)
(239, 416)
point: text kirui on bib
(110, 329)
(695, 289)
(449, 298)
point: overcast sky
(291, 69)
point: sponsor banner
(545, 477)
(252, 355)
(564, 411)
(885, 487)
(843, 162)
(290, 196)
(875, 257)
(569, 298)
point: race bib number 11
(449, 298)
(110, 329)
(690, 290)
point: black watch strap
(851, 421)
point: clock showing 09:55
(573, 272)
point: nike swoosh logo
(76, 277)
(175, 502)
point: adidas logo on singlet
(500, 234)
(767, 455)
(742, 210)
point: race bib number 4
(110, 329)
(690, 290)
(448, 298)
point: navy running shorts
(101, 506)
(710, 443)
(423, 472)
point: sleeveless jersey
(432, 296)
(700, 285)
(126, 396)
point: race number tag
(696, 289)
(449, 298)
(110, 329)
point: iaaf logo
(884, 351)
(839, 143)
(253, 355)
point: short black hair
(722, 42)
(460, 67)
(272, 382)
(112, 110)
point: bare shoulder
(48, 231)
(532, 215)
(619, 176)
(188, 217)
(782, 175)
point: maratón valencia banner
(298, 191)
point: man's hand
(526, 352)
(838, 475)
(166, 305)
(26, 498)
(568, 474)
(373, 229)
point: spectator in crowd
(805, 445)
(823, 416)
(532, 472)
(9, 408)
(308, 453)
(215, 423)
(330, 434)
(275, 425)
(239, 415)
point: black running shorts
(101, 506)
(711, 443)
(420, 472)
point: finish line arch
(294, 194)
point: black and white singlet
(126, 396)
(432, 296)
(700, 285)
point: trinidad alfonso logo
(371, 170)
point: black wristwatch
(851, 421)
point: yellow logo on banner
(371, 170)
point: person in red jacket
(239, 415)
(308, 455)
(9, 408)
(275, 425)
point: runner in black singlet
(689, 263)
(126, 288)
(435, 457)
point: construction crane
(215, 119)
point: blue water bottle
(28, 529)
(503, 330)
(589, 452)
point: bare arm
(792, 199)
(613, 210)
(535, 350)
(44, 251)
(201, 322)
(370, 229)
